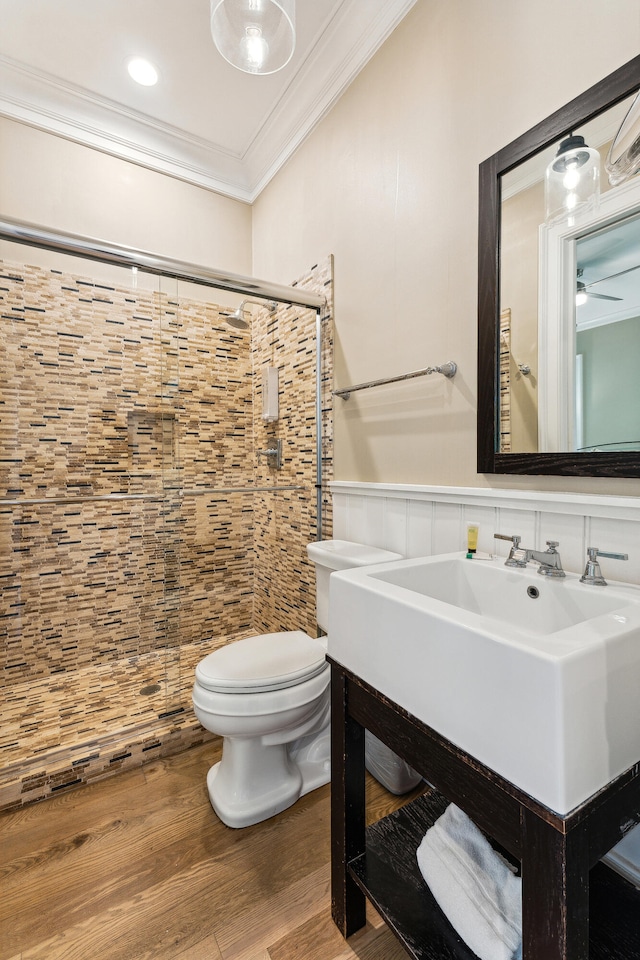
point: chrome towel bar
(448, 369)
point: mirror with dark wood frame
(614, 89)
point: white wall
(55, 183)
(388, 183)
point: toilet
(268, 697)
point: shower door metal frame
(17, 231)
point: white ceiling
(62, 69)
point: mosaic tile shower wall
(112, 402)
(285, 523)
(133, 538)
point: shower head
(237, 320)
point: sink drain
(150, 688)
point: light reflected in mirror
(532, 414)
(567, 377)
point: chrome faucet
(592, 572)
(549, 559)
(516, 556)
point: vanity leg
(555, 892)
(347, 808)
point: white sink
(537, 678)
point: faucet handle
(517, 557)
(515, 539)
(597, 552)
(552, 544)
(592, 573)
(275, 452)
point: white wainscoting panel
(417, 520)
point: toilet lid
(270, 661)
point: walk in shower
(140, 525)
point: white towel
(473, 886)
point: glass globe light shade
(623, 160)
(256, 36)
(572, 181)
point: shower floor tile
(71, 728)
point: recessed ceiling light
(142, 71)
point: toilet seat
(267, 662)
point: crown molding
(347, 42)
(40, 100)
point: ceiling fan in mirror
(583, 292)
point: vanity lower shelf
(388, 874)
(574, 907)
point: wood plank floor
(138, 867)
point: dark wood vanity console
(574, 907)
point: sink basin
(491, 590)
(537, 678)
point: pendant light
(623, 160)
(572, 181)
(256, 36)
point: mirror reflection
(607, 348)
(569, 300)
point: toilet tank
(330, 555)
